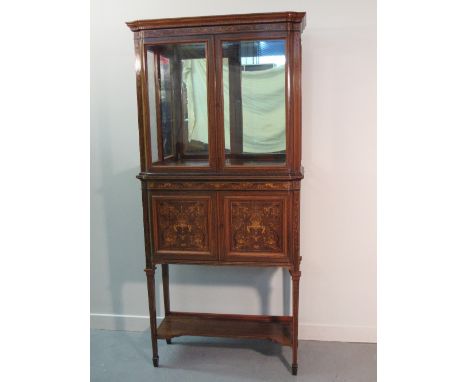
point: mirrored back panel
(254, 94)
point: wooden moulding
(244, 186)
(238, 263)
(257, 175)
(220, 20)
(275, 328)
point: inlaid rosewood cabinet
(219, 115)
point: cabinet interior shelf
(275, 328)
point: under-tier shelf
(274, 328)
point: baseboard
(340, 333)
(307, 331)
(120, 322)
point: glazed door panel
(254, 227)
(254, 93)
(184, 226)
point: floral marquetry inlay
(183, 225)
(257, 226)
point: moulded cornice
(204, 21)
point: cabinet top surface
(250, 18)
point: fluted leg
(152, 311)
(295, 275)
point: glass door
(254, 102)
(178, 103)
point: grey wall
(338, 287)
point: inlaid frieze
(281, 186)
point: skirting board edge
(307, 331)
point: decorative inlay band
(152, 185)
(277, 27)
(296, 222)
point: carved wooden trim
(295, 275)
(278, 27)
(254, 186)
(253, 176)
(224, 20)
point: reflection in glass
(178, 103)
(254, 102)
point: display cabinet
(219, 116)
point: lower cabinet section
(221, 226)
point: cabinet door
(254, 83)
(179, 104)
(183, 226)
(254, 227)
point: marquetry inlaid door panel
(183, 226)
(254, 227)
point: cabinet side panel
(139, 59)
(297, 100)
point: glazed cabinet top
(220, 96)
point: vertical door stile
(218, 224)
(212, 102)
(217, 59)
(157, 88)
(145, 105)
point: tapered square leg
(152, 312)
(167, 300)
(156, 361)
(294, 369)
(295, 275)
